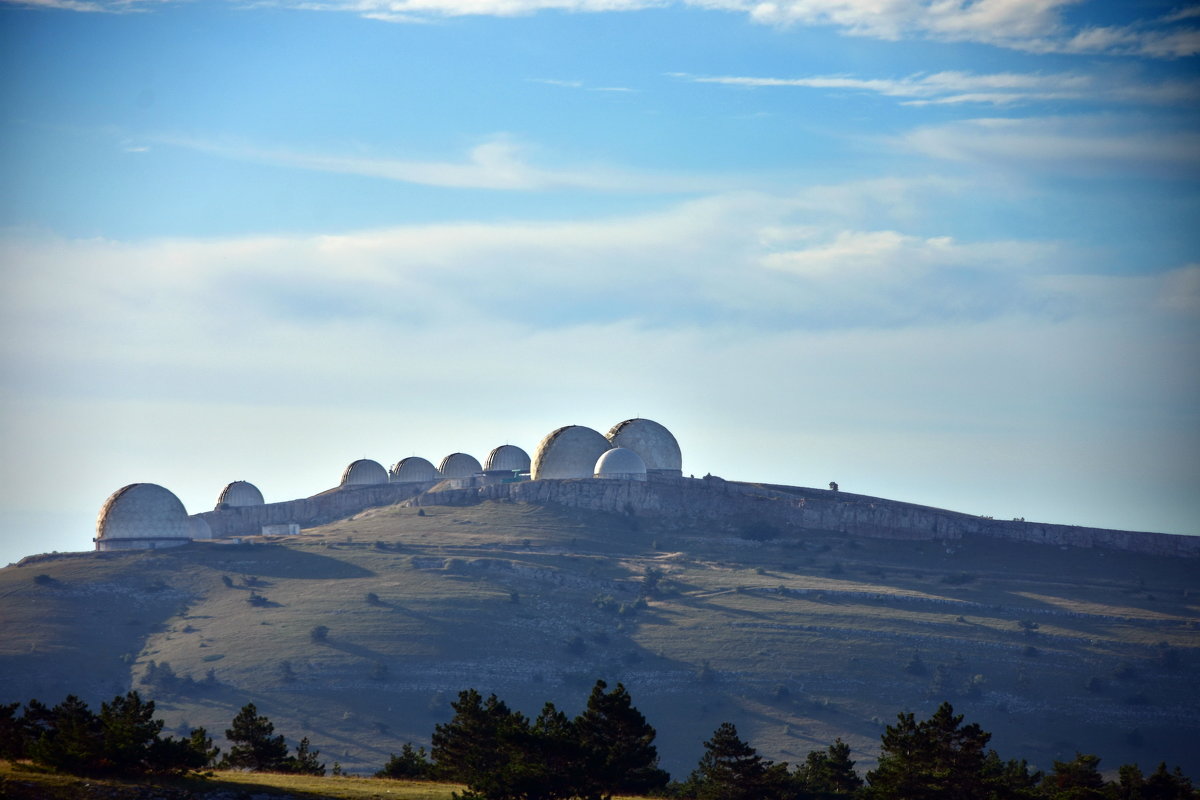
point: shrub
(319, 634)
(411, 764)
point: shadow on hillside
(275, 561)
(354, 649)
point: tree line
(609, 749)
(501, 754)
(125, 739)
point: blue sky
(939, 252)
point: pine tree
(305, 762)
(254, 746)
(937, 759)
(72, 740)
(411, 764)
(618, 745)
(1163, 785)
(128, 729)
(483, 746)
(555, 763)
(828, 773)
(1077, 779)
(731, 769)
(12, 732)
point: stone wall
(725, 507)
(730, 507)
(328, 506)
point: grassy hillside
(797, 641)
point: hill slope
(797, 640)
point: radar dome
(141, 516)
(238, 494)
(569, 452)
(622, 464)
(459, 465)
(364, 472)
(414, 469)
(507, 457)
(200, 529)
(653, 442)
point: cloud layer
(1032, 25)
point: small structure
(239, 494)
(364, 472)
(620, 463)
(459, 465)
(653, 442)
(142, 516)
(414, 469)
(568, 452)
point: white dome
(238, 494)
(459, 465)
(142, 511)
(621, 463)
(414, 469)
(569, 452)
(364, 472)
(200, 528)
(508, 457)
(654, 443)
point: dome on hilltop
(200, 529)
(459, 465)
(650, 440)
(141, 515)
(568, 452)
(414, 469)
(238, 494)
(507, 457)
(364, 472)
(622, 464)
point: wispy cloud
(1088, 145)
(957, 87)
(1030, 25)
(566, 84)
(497, 164)
(1035, 25)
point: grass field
(22, 780)
(797, 641)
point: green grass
(804, 639)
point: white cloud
(497, 164)
(1004, 88)
(1087, 145)
(1031, 25)
(757, 326)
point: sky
(944, 252)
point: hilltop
(797, 634)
